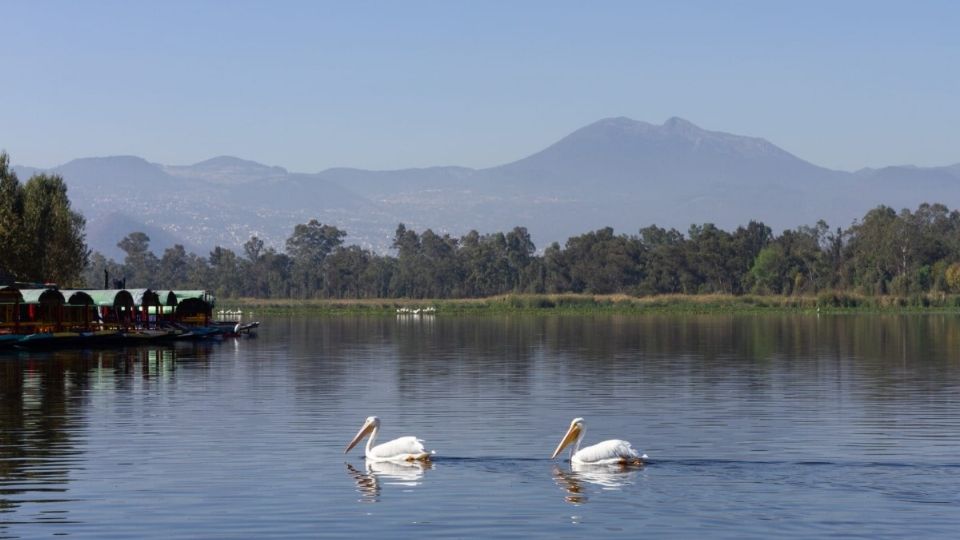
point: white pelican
(402, 449)
(612, 452)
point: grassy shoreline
(830, 302)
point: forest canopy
(886, 252)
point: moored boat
(43, 340)
(7, 341)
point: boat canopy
(205, 296)
(112, 298)
(167, 298)
(194, 303)
(145, 297)
(42, 296)
(10, 295)
(77, 298)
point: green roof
(197, 294)
(143, 297)
(110, 297)
(167, 298)
(33, 296)
(76, 297)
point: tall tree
(56, 248)
(520, 249)
(173, 268)
(11, 222)
(140, 264)
(308, 246)
(225, 272)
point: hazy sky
(311, 85)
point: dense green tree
(173, 268)
(253, 248)
(307, 247)
(226, 272)
(667, 268)
(276, 268)
(601, 262)
(711, 258)
(344, 273)
(746, 244)
(406, 280)
(140, 264)
(520, 249)
(12, 236)
(54, 242)
(101, 271)
(767, 273)
(873, 250)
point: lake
(757, 426)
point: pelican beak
(364, 431)
(571, 436)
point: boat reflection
(379, 473)
(579, 477)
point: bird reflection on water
(607, 477)
(391, 473)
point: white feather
(401, 449)
(609, 452)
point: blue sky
(312, 85)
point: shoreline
(832, 302)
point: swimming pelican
(402, 449)
(612, 452)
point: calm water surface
(757, 426)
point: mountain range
(615, 172)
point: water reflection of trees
(469, 355)
(43, 401)
(879, 355)
(419, 354)
(887, 353)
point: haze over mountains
(615, 172)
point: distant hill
(226, 170)
(617, 172)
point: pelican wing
(607, 452)
(399, 449)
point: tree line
(42, 239)
(885, 252)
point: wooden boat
(133, 337)
(7, 341)
(49, 340)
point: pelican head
(574, 433)
(369, 425)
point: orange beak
(571, 436)
(364, 431)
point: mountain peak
(230, 161)
(617, 121)
(677, 124)
(622, 124)
(226, 170)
